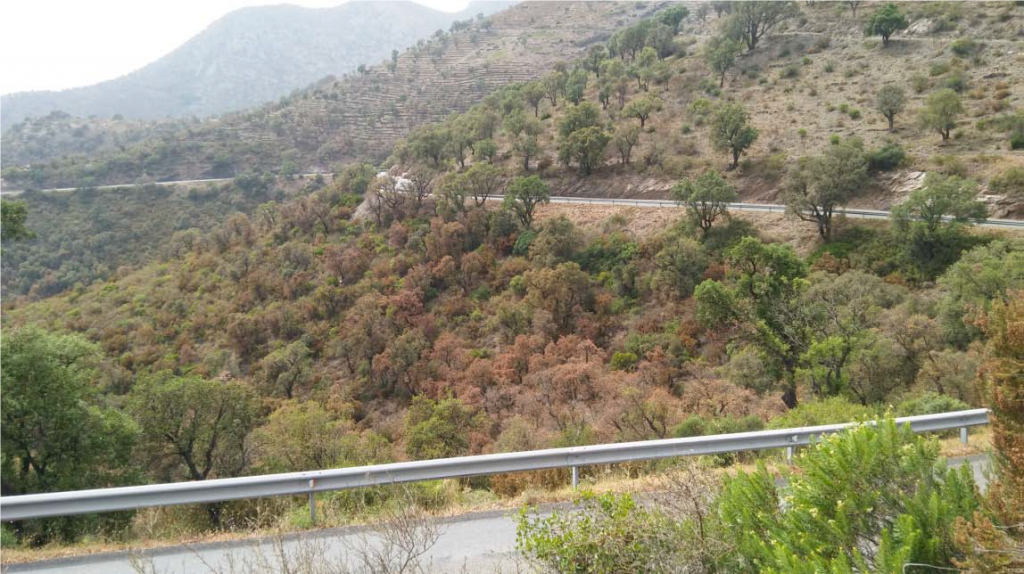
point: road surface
(763, 207)
(478, 542)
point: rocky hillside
(246, 58)
(359, 115)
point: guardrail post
(963, 435)
(789, 454)
(312, 503)
(575, 477)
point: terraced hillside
(359, 115)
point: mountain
(355, 117)
(248, 57)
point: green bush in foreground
(871, 499)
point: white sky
(57, 44)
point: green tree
(300, 436)
(756, 18)
(194, 428)
(642, 108)
(526, 147)
(929, 224)
(706, 197)
(890, 101)
(554, 85)
(356, 178)
(720, 55)
(585, 115)
(941, 111)
(643, 68)
(430, 143)
(592, 61)
(943, 198)
(886, 20)
(870, 499)
(523, 196)
(287, 370)
(731, 131)
(625, 139)
(56, 433)
(762, 300)
(576, 86)
(483, 181)
(586, 147)
(485, 150)
(533, 93)
(673, 16)
(13, 215)
(439, 429)
(817, 186)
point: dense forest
(407, 313)
(94, 234)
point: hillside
(246, 58)
(356, 116)
(401, 315)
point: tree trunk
(213, 510)
(735, 159)
(891, 119)
(789, 395)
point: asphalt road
(763, 207)
(478, 542)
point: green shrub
(1010, 182)
(956, 81)
(829, 67)
(854, 114)
(522, 244)
(886, 158)
(919, 83)
(822, 412)
(930, 403)
(950, 165)
(606, 533)
(882, 484)
(1017, 137)
(790, 71)
(8, 539)
(624, 361)
(938, 69)
(965, 47)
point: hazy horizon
(62, 45)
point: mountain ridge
(246, 58)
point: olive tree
(720, 54)
(890, 101)
(885, 21)
(706, 197)
(642, 108)
(523, 196)
(941, 111)
(754, 19)
(193, 428)
(12, 226)
(731, 131)
(818, 185)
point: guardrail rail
(307, 483)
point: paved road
(478, 542)
(763, 207)
(766, 207)
(15, 192)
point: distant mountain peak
(247, 57)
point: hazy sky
(56, 44)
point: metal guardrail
(766, 207)
(307, 483)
